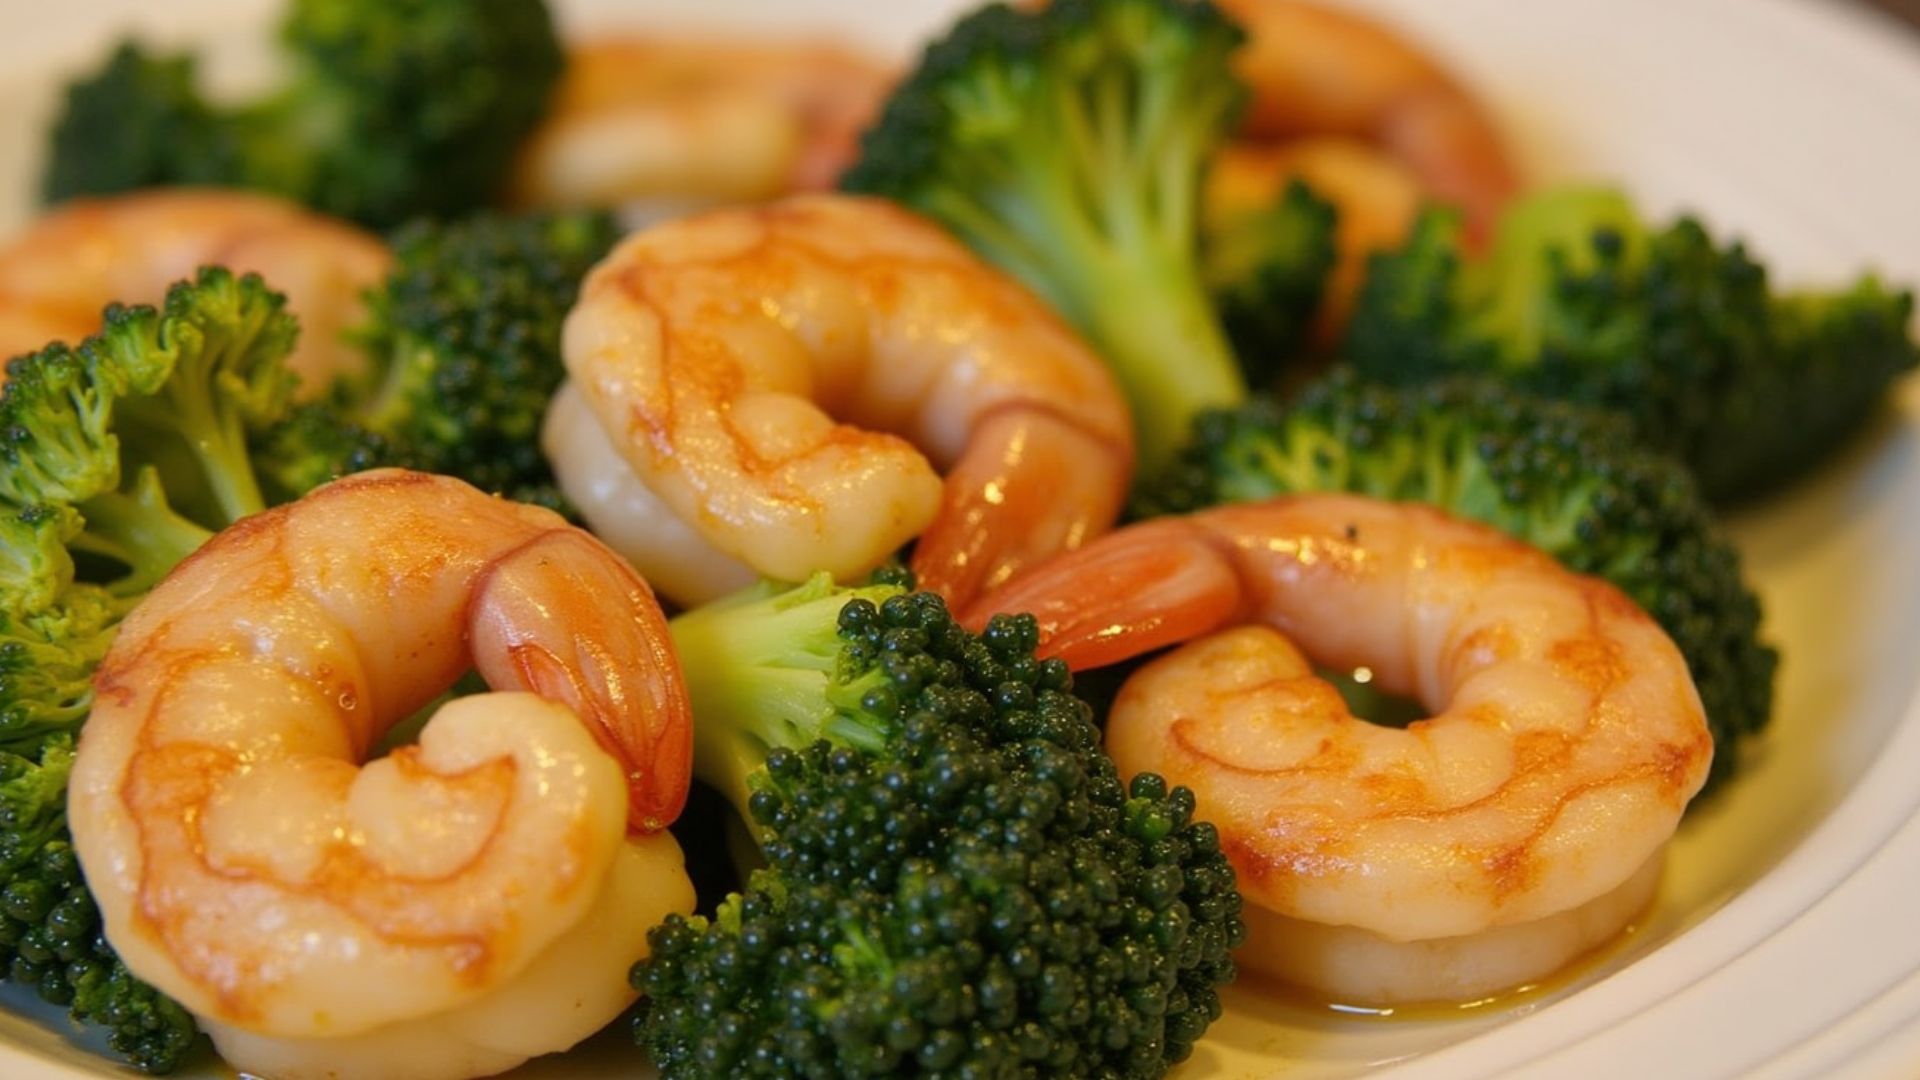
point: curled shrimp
(717, 351)
(1319, 71)
(1513, 830)
(58, 276)
(688, 123)
(307, 906)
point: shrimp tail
(618, 671)
(1129, 593)
(1030, 484)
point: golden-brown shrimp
(1315, 71)
(717, 351)
(247, 863)
(1469, 852)
(57, 277)
(693, 123)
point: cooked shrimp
(716, 350)
(1316, 71)
(692, 123)
(1471, 851)
(57, 277)
(1377, 196)
(249, 865)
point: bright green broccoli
(118, 458)
(1267, 269)
(132, 447)
(957, 882)
(1567, 479)
(1580, 299)
(396, 108)
(463, 342)
(1067, 145)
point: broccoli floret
(135, 441)
(464, 348)
(319, 442)
(118, 458)
(139, 122)
(51, 936)
(1067, 145)
(1569, 480)
(1580, 299)
(957, 882)
(47, 658)
(397, 108)
(1267, 269)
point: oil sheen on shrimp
(787, 379)
(1516, 828)
(57, 277)
(329, 915)
(1317, 71)
(685, 123)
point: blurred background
(1906, 9)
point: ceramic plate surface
(1782, 942)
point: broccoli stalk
(793, 698)
(957, 882)
(395, 108)
(118, 458)
(1067, 145)
(1569, 480)
(463, 342)
(1581, 300)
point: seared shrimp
(307, 906)
(697, 123)
(1318, 71)
(58, 276)
(716, 352)
(1488, 845)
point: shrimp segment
(716, 352)
(249, 866)
(1566, 738)
(1319, 71)
(564, 996)
(698, 123)
(57, 277)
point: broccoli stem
(218, 440)
(139, 530)
(1177, 363)
(760, 672)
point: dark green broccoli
(51, 937)
(1067, 145)
(118, 458)
(1580, 299)
(1567, 479)
(1267, 269)
(464, 348)
(957, 882)
(138, 122)
(396, 108)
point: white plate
(1783, 940)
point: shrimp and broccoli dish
(819, 564)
